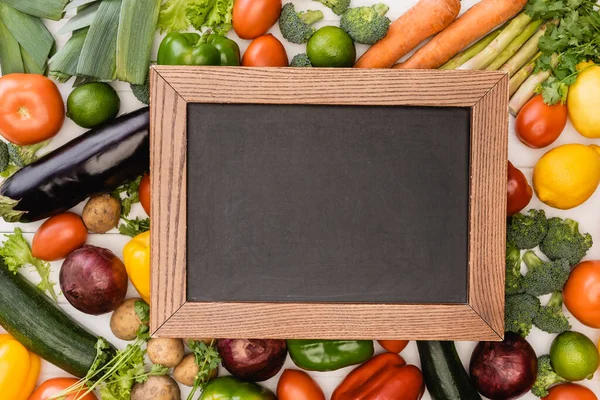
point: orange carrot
(425, 19)
(471, 26)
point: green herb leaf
(128, 195)
(207, 358)
(133, 227)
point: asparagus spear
(525, 53)
(472, 51)
(515, 45)
(528, 88)
(517, 79)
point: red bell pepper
(519, 192)
(383, 377)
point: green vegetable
(63, 64)
(296, 26)
(550, 318)
(178, 15)
(525, 54)
(337, 6)
(515, 283)
(4, 157)
(193, 49)
(142, 92)
(142, 310)
(329, 355)
(130, 190)
(545, 277)
(230, 388)
(520, 76)
(300, 60)
(83, 19)
(520, 311)
(546, 377)
(526, 231)
(472, 51)
(565, 241)
(24, 155)
(207, 358)
(49, 9)
(366, 25)
(133, 227)
(527, 33)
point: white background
(521, 156)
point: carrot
(471, 26)
(425, 19)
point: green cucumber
(43, 328)
(444, 374)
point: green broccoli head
(514, 278)
(300, 60)
(4, 156)
(546, 377)
(550, 318)
(366, 25)
(520, 310)
(337, 6)
(565, 241)
(527, 231)
(24, 155)
(545, 277)
(142, 92)
(296, 26)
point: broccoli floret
(550, 318)
(300, 60)
(366, 25)
(4, 157)
(520, 310)
(142, 92)
(527, 231)
(24, 155)
(296, 26)
(565, 241)
(546, 377)
(514, 278)
(545, 277)
(337, 6)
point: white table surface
(521, 156)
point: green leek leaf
(63, 65)
(30, 66)
(77, 3)
(50, 9)
(10, 54)
(82, 19)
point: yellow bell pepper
(136, 257)
(19, 369)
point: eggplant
(96, 162)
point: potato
(185, 373)
(156, 388)
(101, 213)
(165, 351)
(124, 322)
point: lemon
(565, 177)
(574, 356)
(584, 101)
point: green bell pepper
(193, 49)
(329, 355)
(230, 388)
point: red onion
(252, 360)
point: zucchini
(444, 374)
(35, 321)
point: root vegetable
(124, 322)
(102, 213)
(252, 360)
(156, 388)
(166, 351)
(187, 370)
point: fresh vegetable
(545, 277)
(5, 157)
(265, 51)
(63, 64)
(503, 370)
(514, 282)
(298, 385)
(580, 293)
(178, 15)
(546, 377)
(550, 318)
(339, 7)
(526, 91)
(570, 391)
(93, 104)
(207, 361)
(125, 322)
(519, 192)
(136, 256)
(474, 24)
(565, 241)
(330, 46)
(186, 372)
(393, 346)
(193, 49)
(93, 163)
(20, 156)
(471, 51)
(101, 213)
(252, 360)
(128, 194)
(93, 280)
(19, 369)
(584, 100)
(366, 25)
(300, 60)
(134, 227)
(144, 193)
(526, 231)
(165, 351)
(58, 237)
(296, 26)
(526, 53)
(518, 79)
(329, 355)
(516, 44)
(520, 311)
(230, 388)
(445, 376)
(32, 108)
(384, 376)
(539, 125)
(574, 356)
(54, 386)
(253, 18)
(163, 386)
(142, 92)
(423, 20)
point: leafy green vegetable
(20, 156)
(565, 241)
(207, 358)
(300, 60)
(63, 65)
(178, 15)
(366, 25)
(520, 310)
(133, 227)
(526, 231)
(515, 283)
(337, 6)
(4, 156)
(49, 9)
(142, 92)
(546, 377)
(296, 26)
(142, 310)
(550, 318)
(131, 196)
(545, 277)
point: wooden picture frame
(484, 93)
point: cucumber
(444, 374)
(35, 321)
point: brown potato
(156, 388)
(185, 373)
(166, 351)
(101, 213)
(124, 322)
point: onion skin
(252, 360)
(503, 370)
(94, 280)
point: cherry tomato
(59, 236)
(253, 18)
(298, 385)
(265, 51)
(570, 391)
(54, 386)
(31, 108)
(519, 192)
(393, 346)
(144, 193)
(582, 293)
(538, 124)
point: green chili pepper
(230, 388)
(193, 49)
(329, 355)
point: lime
(92, 104)
(574, 356)
(330, 46)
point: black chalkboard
(303, 203)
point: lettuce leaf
(178, 15)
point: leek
(78, 3)
(82, 19)
(515, 45)
(63, 65)
(10, 52)
(30, 67)
(50, 9)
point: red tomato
(298, 385)
(59, 236)
(582, 293)
(144, 193)
(253, 18)
(519, 192)
(570, 391)
(393, 346)
(538, 124)
(31, 108)
(54, 386)
(265, 51)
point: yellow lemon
(584, 101)
(567, 176)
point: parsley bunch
(208, 359)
